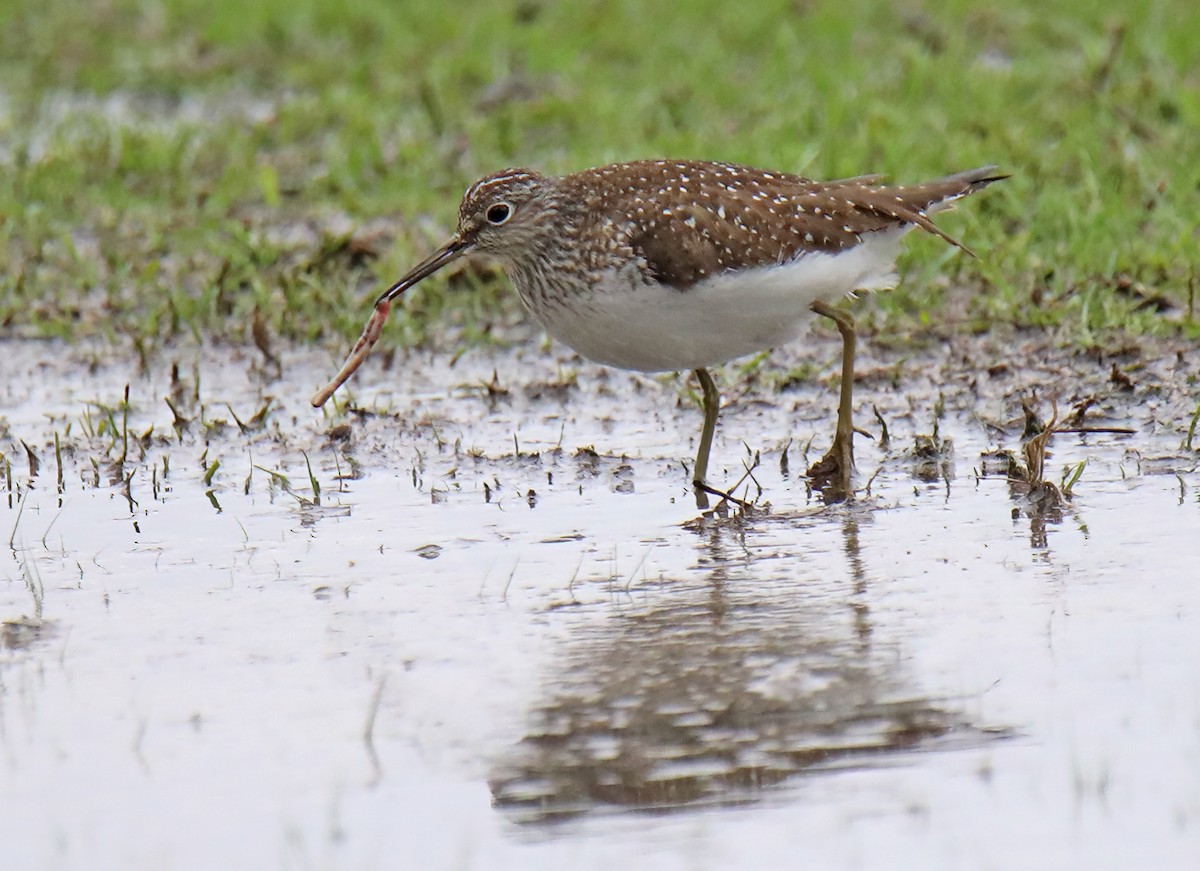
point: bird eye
(498, 213)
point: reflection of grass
(931, 454)
(1029, 473)
(247, 170)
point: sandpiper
(667, 265)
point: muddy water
(506, 638)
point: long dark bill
(445, 255)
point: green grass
(184, 167)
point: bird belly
(623, 321)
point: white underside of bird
(649, 327)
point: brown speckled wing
(691, 220)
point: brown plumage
(691, 220)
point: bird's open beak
(448, 253)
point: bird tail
(944, 191)
(941, 194)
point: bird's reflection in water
(718, 685)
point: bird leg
(711, 402)
(833, 470)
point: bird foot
(703, 490)
(831, 474)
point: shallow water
(471, 655)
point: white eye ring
(498, 213)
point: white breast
(625, 323)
